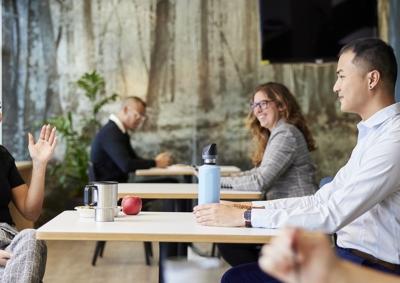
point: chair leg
(97, 251)
(102, 246)
(148, 252)
(214, 251)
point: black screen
(306, 30)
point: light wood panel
(182, 170)
(178, 191)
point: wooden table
(148, 226)
(182, 170)
(178, 191)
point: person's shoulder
(5, 155)
(285, 128)
(109, 128)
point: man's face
(351, 84)
(135, 115)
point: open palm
(43, 149)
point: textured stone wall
(194, 62)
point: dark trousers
(251, 273)
(237, 254)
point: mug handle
(86, 193)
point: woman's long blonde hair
(291, 112)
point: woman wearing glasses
(283, 165)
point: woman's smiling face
(265, 110)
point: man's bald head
(132, 112)
(127, 101)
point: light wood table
(182, 170)
(148, 226)
(178, 191)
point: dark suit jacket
(113, 157)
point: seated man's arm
(124, 156)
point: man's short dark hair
(376, 55)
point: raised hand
(43, 149)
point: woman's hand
(4, 257)
(43, 149)
(216, 214)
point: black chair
(100, 245)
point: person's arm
(122, 154)
(299, 256)
(29, 201)
(336, 204)
(278, 156)
(346, 198)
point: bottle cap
(210, 153)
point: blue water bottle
(209, 176)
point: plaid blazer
(286, 169)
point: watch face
(247, 215)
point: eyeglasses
(263, 104)
(142, 117)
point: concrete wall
(194, 62)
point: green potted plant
(68, 176)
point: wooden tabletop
(178, 191)
(182, 170)
(148, 226)
(22, 165)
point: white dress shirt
(118, 122)
(362, 203)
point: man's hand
(297, 256)
(43, 149)
(216, 214)
(4, 257)
(163, 159)
(241, 204)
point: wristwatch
(247, 218)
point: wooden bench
(25, 169)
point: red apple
(131, 205)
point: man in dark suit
(113, 158)
(112, 155)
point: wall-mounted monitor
(310, 30)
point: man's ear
(373, 78)
(126, 109)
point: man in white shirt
(362, 203)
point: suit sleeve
(124, 156)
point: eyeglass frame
(260, 104)
(142, 117)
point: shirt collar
(118, 122)
(380, 116)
